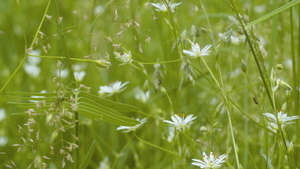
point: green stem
(254, 53)
(218, 85)
(155, 146)
(153, 63)
(63, 57)
(232, 137)
(31, 46)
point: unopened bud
(162, 89)
(283, 107)
(146, 85)
(279, 66)
(291, 148)
(103, 63)
(218, 110)
(203, 30)
(284, 85)
(244, 66)
(203, 128)
(287, 94)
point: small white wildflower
(211, 162)
(32, 59)
(32, 70)
(161, 6)
(127, 129)
(235, 40)
(3, 140)
(79, 75)
(283, 119)
(171, 134)
(181, 122)
(260, 8)
(141, 95)
(2, 114)
(98, 9)
(113, 88)
(105, 164)
(196, 50)
(124, 57)
(62, 73)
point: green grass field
(136, 84)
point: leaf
(111, 104)
(276, 11)
(97, 111)
(88, 156)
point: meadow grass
(149, 84)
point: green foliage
(64, 103)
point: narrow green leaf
(37, 98)
(111, 104)
(97, 111)
(276, 11)
(31, 93)
(88, 156)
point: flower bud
(244, 66)
(287, 94)
(103, 63)
(218, 110)
(146, 85)
(291, 148)
(279, 66)
(203, 128)
(163, 90)
(284, 85)
(283, 107)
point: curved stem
(153, 145)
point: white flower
(113, 88)
(3, 140)
(141, 95)
(79, 75)
(124, 57)
(132, 128)
(161, 6)
(181, 123)
(105, 164)
(33, 60)
(171, 134)
(196, 51)
(211, 162)
(32, 70)
(2, 114)
(99, 9)
(283, 120)
(62, 73)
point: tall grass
(60, 58)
